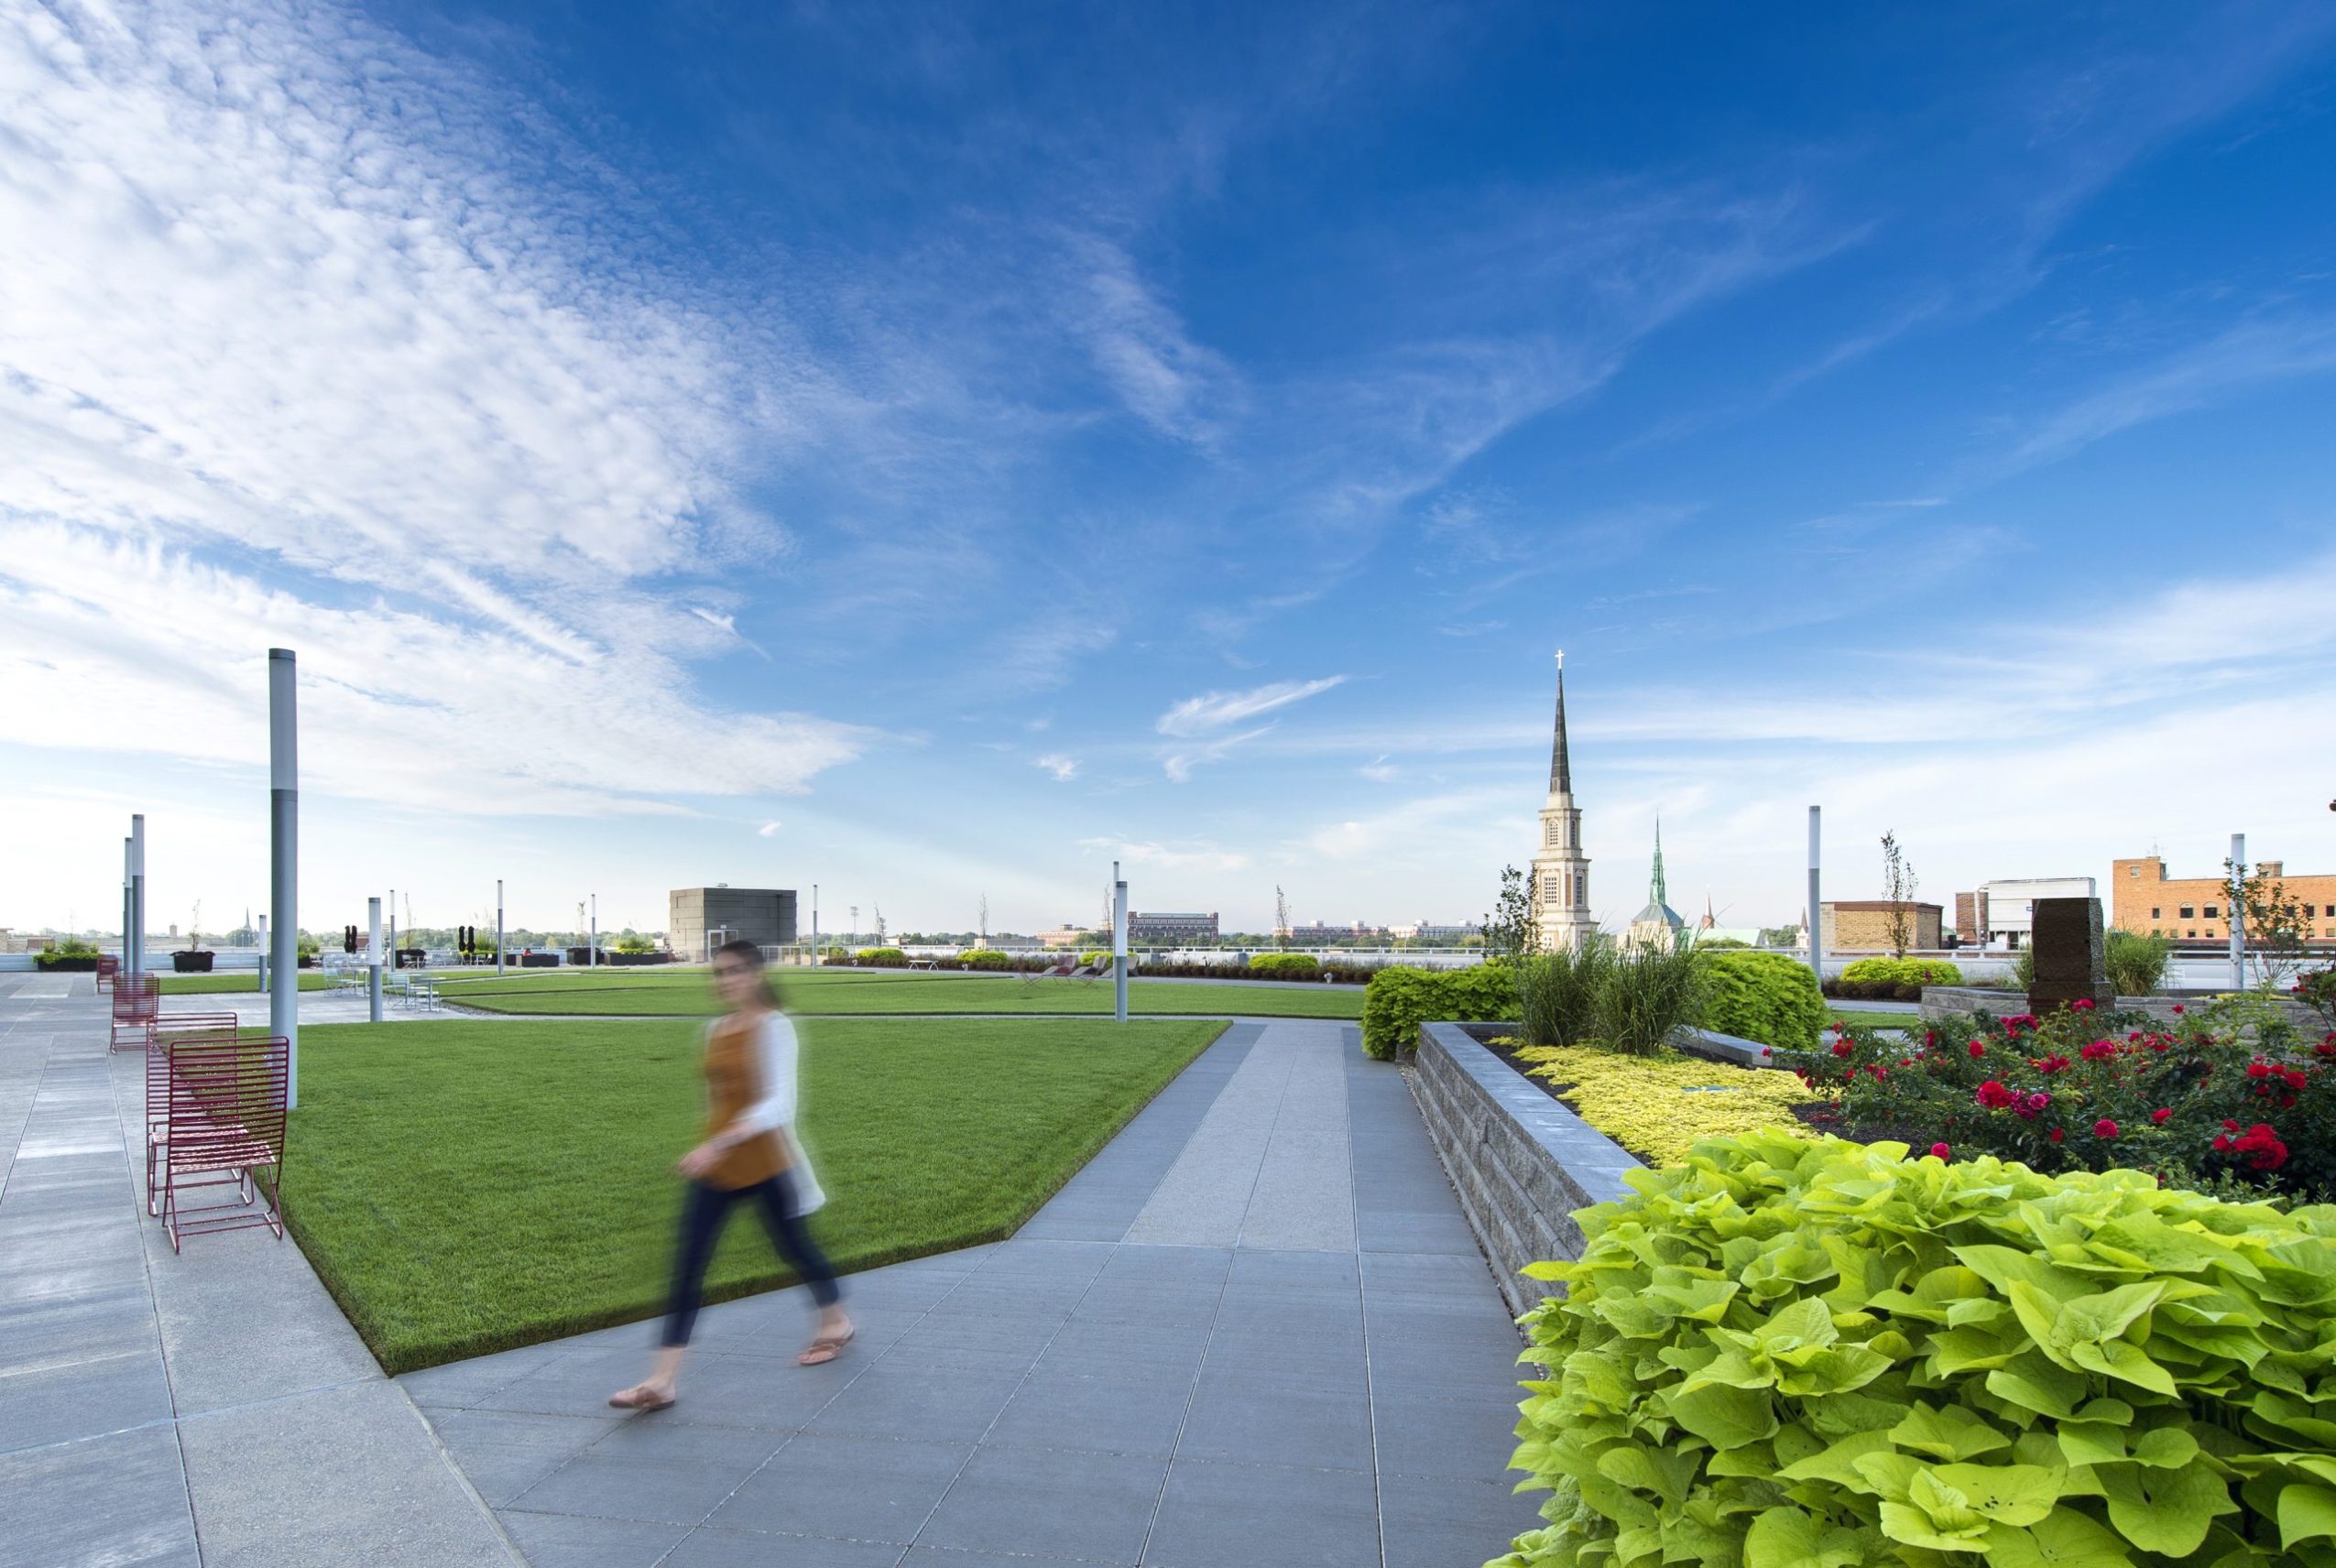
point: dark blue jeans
(703, 1214)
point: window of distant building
(2188, 913)
(2153, 914)
(2209, 912)
(2134, 872)
(2192, 933)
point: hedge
(1399, 998)
(1873, 990)
(1764, 996)
(1784, 1353)
(882, 958)
(1289, 965)
(1903, 970)
(986, 958)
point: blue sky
(931, 452)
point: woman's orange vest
(734, 1082)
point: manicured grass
(468, 1185)
(1876, 1020)
(685, 993)
(235, 980)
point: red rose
(1842, 1047)
(2056, 1135)
(2177, 1006)
(2104, 1127)
(2081, 1005)
(1978, 1051)
(1939, 1150)
(2159, 1116)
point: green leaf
(1839, 1463)
(2165, 1511)
(2121, 1359)
(1913, 1526)
(1787, 1538)
(2166, 1448)
(2008, 1494)
(2305, 1512)
(1954, 1432)
(1721, 1416)
(2064, 1538)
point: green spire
(1654, 890)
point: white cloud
(1170, 382)
(768, 830)
(1198, 855)
(1214, 710)
(285, 359)
(1064, 768)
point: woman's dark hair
(746, 952)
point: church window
(1549, 829)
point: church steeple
(1654, 889)
(1561, 773)
(1560, 871)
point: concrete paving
(210, 1407)
(1254, 1330)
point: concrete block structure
(699, 918)
(1164, 928)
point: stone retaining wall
(1939, 1001)
(1521, 1161)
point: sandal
(826, 1347)
(639, 1398)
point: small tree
(1509, 930)
(2278, 924)
(1898, 877)
(194, 927)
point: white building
(2005, 908)
(1560, 871)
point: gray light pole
(136, 965)
(1816, 908)
(263, 955)
(1118, 944)
(393, 930)
(499, 925)
(591, 955)
(2238, 911)
(124, 966)
(284, 856)
(814, 925)
(372, 955)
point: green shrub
(2024, 970)
(1722, 944)
(1096, 955)
(1764, 996)
(1784, 1353)
(1645, 992)
(2134, 962)
(882, 958)
(984, 958)
(1287, 965)
(1557, 992)
(1903, 970)
(1399, 998)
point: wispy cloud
(1063, 769)
(1193, 854)
(2255, 354)
(768, 830)
(1214, 710)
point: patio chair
(109, 966)
(178, 1026)
(137, 1002)
(224, 1128)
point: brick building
(1862, 925)
(2143, 899)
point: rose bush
(2229, 1089)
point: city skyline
(734, 447)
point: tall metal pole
(592, 956)
(1815, 906)
(263, 955)
(2238, 912)
(284, 856)
(814, 925)
(499, 925)
(137, 963)
(393, 930)
(1118, 944)
(124, 966)
(373, 955)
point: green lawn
(469, 1185)
(1876, 1020)
(233, 980)
(685, 993)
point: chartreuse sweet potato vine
(1661, 1106)
(1792, 1355)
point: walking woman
(749, 1155)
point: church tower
(1560, 872)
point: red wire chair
(138, 1002)
(225, 1128)
(179, 1026)
(109, 966)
